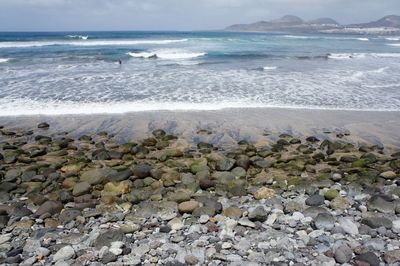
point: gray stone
(258, 214)
(142, 170)
(348, 225)
(343, 254)
(368, 257)
(376, 222)
(315, 200)
(80, 189)
(377, 203)
(106, 238)
(324, 221)
(65, 253)
(51, 207)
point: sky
(65, 15)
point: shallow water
(74, 73)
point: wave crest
(4, 60)
(29, 44)
(167, 55)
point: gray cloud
(176, 14)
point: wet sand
(227, 126)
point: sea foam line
(29, 107)
(87, 43)
(4, 60)
(167, 55)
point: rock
(97, 176)
(176, 224)
(69, 215)
(264, 193)
(51, 207)
(392, 256)
(188, 206)
(331, 194)
(191, 260)
(258, 214)
(324, 221)
(246, 222)
(348, 225)
(65, 253)
(225, 164)
(108, 257)
(396, 226)
(343, 254)
(368, 257)
(314, 211)
(376, 222)
(377, 203)
(388, 175)
(117, 188)
(315, 200)
(233, 212)
(106, 238)
(80, 189)
(340, 203)
(206, 210)
(142, 170)
(43, 125)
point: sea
(55, 73)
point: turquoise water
(70, 73)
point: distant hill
(388, 21)
(289, 23)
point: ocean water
(80, 73)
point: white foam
(394, 44)
(393, 38)
(270, 67)
(87, 43)
(340, 56)
(82, 37)
(168, 55)
(24, 107)
(363, 39)
(298, 37)
(4, 60)
(141, 55)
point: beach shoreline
(228, 126)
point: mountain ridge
(289, 23)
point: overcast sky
(59, 15)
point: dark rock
(121, 175)
(258, 214)
(109, 257)
(206, 184)
(20, 211)
(51, 207)
(368, 257)
(315, 200)
(165, 229)
(314, 211)
(101, 155)
(376, 222)
(312, 139)
(142, 170)
(43, 125)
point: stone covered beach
(263, 196)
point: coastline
(227, 126)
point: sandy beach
(229, 125)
